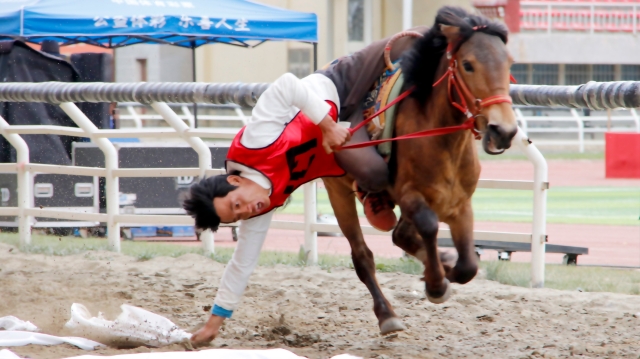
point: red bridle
(454, 82)
(476, 105)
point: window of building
(300, 62)
(576, 74)
(356, 20)
(603, 73)
(142, 69)
(359, 14)
(520, 72)
(630, 73)
(545, 74)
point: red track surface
(608, 245)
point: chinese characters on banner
(159, 21)
(183, 4)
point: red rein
(454, 82)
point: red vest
(295, 158)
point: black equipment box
(52, 191)
(148, 195)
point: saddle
(384, 90)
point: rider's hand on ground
(333, 135)
(206, 334)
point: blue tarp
(116, 23)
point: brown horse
(433, 178)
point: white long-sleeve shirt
(277, 106)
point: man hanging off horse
(289, 142)
(456, 86)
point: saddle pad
(376, 99)
(385, 148)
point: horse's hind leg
(462, 234)
(344, 206)
(425, 221)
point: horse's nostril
(500, 137)
(495, 129)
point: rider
(288, 143)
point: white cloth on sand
(133, 327)
(8, 354)
(10, 338)
(12, 323)
(214, 354)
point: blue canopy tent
(118, 23)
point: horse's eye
(467, 66)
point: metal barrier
(65, 94)
(128, 113)
(158, 94)
(583, 124)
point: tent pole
(315, 56)
(193, 71)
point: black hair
(421, 62)
(199, 205)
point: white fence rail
(130, 112)
(66, 94)
(553, 122)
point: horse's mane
(420, 63)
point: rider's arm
(280, 103)
(251, 235)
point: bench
(506, 248)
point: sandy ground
(319, 314)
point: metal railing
(64, 95)
(133, 112)
(579, 16)
(550, 121)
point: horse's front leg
(424, 219)
(462, 234)
(406, 237)
(344, 207)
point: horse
(432, 179)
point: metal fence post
(310, 218)
(634, 115)
(24, 182)
(110, 164)
(190, 118)
(241, 114)
(539, 225)
(204, 157)
(523, 120)
(580, 124)
(136, 119)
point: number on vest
(294, 154)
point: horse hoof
(391, 325)
(447, 294)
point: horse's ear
(452, 33)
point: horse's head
(483, 67)
(474, 51)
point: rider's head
(225, 199)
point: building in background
(553, 42)
(570, 42)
